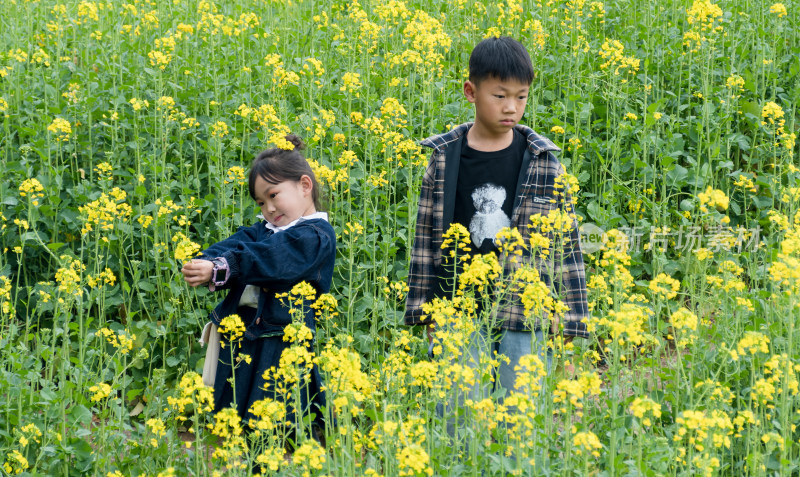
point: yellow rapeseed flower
(31, 189)
(99, 391)
(326, 306)
(480, 273)
(123, 341)
(310, 457)
(644, 408)
(157, 429)
(270, 459)
(219, 129)
(664, 286)
(297, 333)
(779, 9)
(185, 249)
(713, 198)
(351, 82)
(703, 14)
(232, 327)
(752, 343)
(192, 393)
(235, 175)
(15, 463)
(61, 128)
(138, 104)
(735, 82)
(573, 391)
(683, 319)
(587, 442)
(613, 54)
(269, 415)
(772, 114)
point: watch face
(219, 275)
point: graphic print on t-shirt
(489, 217)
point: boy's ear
(470, 89)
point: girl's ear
(306, 184)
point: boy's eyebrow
(521, 90)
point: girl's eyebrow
(270, 187)
(266, 190)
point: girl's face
(285, 202)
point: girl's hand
(197, 272)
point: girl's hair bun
(299, 145)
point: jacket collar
(536, 142)
(315, 215)
(441, 143)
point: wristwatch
(220, 272)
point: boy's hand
(197, 272)
(429, 330)
(554, 322)
(569, 368)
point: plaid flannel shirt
(535, 195)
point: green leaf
(47, 395)
(80, 415)
(751, 108)
(50, 90)
(132, 393)
(762, 202)
(146, 286)
(29, 237)
(677, 175)
(55, 246)
(596, 212)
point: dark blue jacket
(275, 262)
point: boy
(487, 175)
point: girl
(292, 243)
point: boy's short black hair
(502, 58)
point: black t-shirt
(487, 185)
(485, 193)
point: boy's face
(499, 105)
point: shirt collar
(536, 143)
(315, 215)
